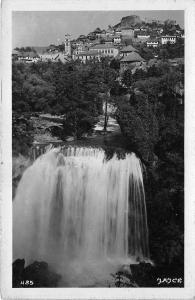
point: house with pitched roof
(79, 49)
(143, 35)
(127, 50)
(28, 57)
(108, 40)
(54, 57)
(152, 43)
(87, 56)
(168, 39)
(117, 39)
(105, 49)
(131, 61)
(118, 32)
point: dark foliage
(56, 88)
(25, 49)
(22, 133)
(146, 275)
(152, 122)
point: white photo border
(7, 292)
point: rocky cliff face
(128, 21)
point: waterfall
(73, 207)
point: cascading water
(81, 213)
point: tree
(145, 52)
(61, 47)
(138, 124)
(107, 83)
(153, 130)
(127, 78)
(78, 122)
(76, 91)
(115, 64)
(22, 134)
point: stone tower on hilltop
(67, 45)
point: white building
(168, 39)
(28, 57)
(67, 45)
(87, 56)
(105, 50)
(118, 32)
(152, 43)
(80, 48)
(143, 36)
(78, 43)
(117, 39)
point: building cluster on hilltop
(108, 43)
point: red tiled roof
(152, 40)
(143, 34)
(128, 48)
(168, 36)
(102, 46)
(87, 53)
(132, 57)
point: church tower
(67, 45)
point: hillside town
(132, 43)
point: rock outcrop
(130, 21)
(37, 274)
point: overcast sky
(44, 28)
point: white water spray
(81, 213)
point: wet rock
(125, 269)
(18, 268)
(148, 275)
(143, 274)
(37, 274)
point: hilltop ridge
(130, 21)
